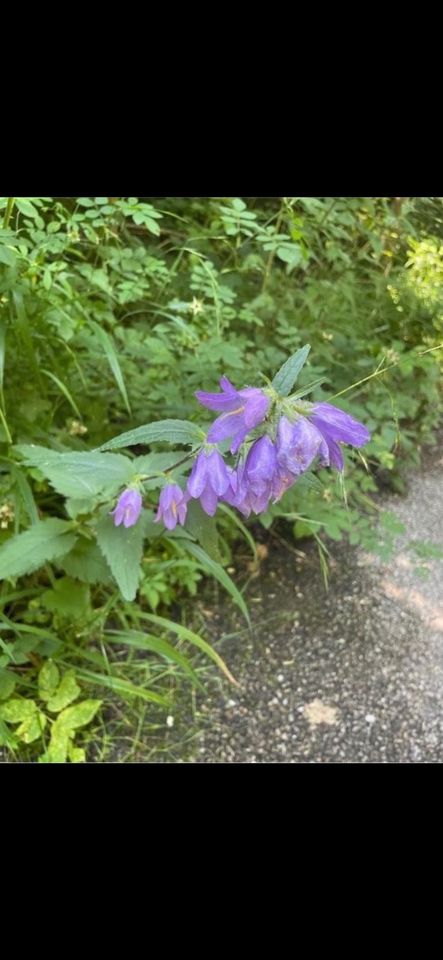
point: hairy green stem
(8, 211)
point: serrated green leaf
(161, 431)
(86, 562)
(45, 540)
(34, 454)
(80, 475)
(285, 378)
(68, 598)
(123, 549)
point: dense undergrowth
(113, 312)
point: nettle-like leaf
(80, 475)
(45, 540)
(162, 431)
(68, 598)
(79, 506)
(123, 550)
(86, 562)
(285, 378)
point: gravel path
(355, 675)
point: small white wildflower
(77, 429)
(7, 515)
(196, 306)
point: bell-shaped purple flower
(241, 411)
(128, 508)
(222, 402)
(266, 479)
(172, 507)
(258, 480)
(336, 427)
(298, 444)
(209, 480)
(237, 494)
(282, 481)
(261, 465)
(340, 425)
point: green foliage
(79, 475)
(64, 729)
(163, 431)
(285, 378)
(113, 311)
(123, 550)
(57, 694)
(27, 551)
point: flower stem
(378, 372)
(8, 211)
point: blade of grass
(216, 570)
(64, 390)
(238, 523)
(121, 686)
(185, 634)
(111, 356)
(146, 641)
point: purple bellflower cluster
(295, 435)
